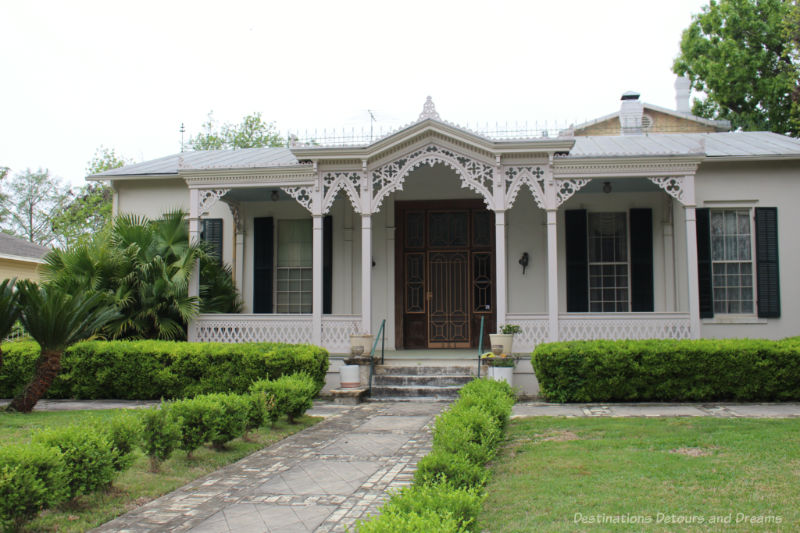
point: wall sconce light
(524, 262)
(606, 187)
(275, 196)
(373, 262)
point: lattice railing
(294, 329)
(336, 331)
(624, 326)
(252, 328)
(534, 331)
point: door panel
(448, 318)
(444, 273)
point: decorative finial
(428, 110)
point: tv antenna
(371, 122)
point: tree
(56, 320)
(90, 210)
(34, 198)
(252, 132)
(737, 52)
(3, 197)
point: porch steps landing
(416, 382)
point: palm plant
(9, 310)
(143, 267)
(55, 319)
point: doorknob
(429, 295)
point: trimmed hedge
(448, 488)
(669, 370)
(149, 370)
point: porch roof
(725, 145)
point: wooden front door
(445, 282)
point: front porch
(425, 228)
(336, 329)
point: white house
(631, 235)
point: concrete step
(421, 391)
(425, 370)
(399, 380)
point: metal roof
(208, 159)
(723, 144)
(20, 248)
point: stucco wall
(10, 268)
(764, 184)
(153, 197)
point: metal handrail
(382, 336)
(480, 347)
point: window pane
(732, 266)
(294, 243)
(608, 262)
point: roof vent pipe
(683, 88)
(630, 114)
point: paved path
(321, 479)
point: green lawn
(559, 474)
(137, 485)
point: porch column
(194, 238)
(316, 281)
(366, 274)
(691, 260)
(552, 274)
(500, 260)
(239, 262)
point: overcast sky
(125, 75)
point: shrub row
(219, 418)
(448, 489)
(149, 370)
(61, 464)
(64, 463)
(669, 370)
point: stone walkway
(321, 479)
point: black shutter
(769, 293)
(704, 263)
(263, 252)
(327, 265)
(641, 221)
(211, 233)
(577, 261)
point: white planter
(502, 373)
(364, 341)
(349, 376)
(502, 338)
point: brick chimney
(630, 114)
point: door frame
(400, 209)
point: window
(294, 267)
(608, 262)
(732, 261)
(211, 233)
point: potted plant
(350, 371)
(505, 337)
(501, 365)
(361, 339)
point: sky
(125, 75)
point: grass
(698, 470)
(137, 485)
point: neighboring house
(19, 258)
(632, 235)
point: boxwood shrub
(669, 370)
(149, 370)
(88, 456)
(32, 477)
